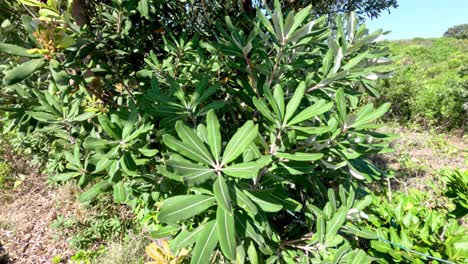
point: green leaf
(65, 176)
(246, 170)
(206, 244)
(83, 117)
(181, 207)
(262, 107)
(97, 143)
(299, 18)
(293, 104)
(336, 222)
(366, 118)
(360, 257)
(192, 173)
(341, 104)
(245, 228)
(111, 129)
(252, 253)
(185, 149)
(240, 142)
(240, 254)
(60, 76)
(221, 193)
(214, 134)
(22, 71)
(318, 108)
(189, 137)
(164, 231)
(355, 61)
(278, 95)
(143, 8)
(128, 164)
(148, 152)
(16, 51)
(300, 156)
(226, 232)
(264, 201)
(94, 191)
(186, 238)
(42, 116)
(364, 233)
(120, 194)
(244, 202)
(129, 124)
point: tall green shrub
(253, 144)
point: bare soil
(25, 217)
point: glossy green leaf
(189, 137)
(300, 156)
(206, 244)
(43, 116)
(214, 134)
(318, 108)
(262, 107)
(16, 51)
(181, 207)
(22, 71)
(240, 142)
(264, 201)
(278, 95)
(336, 222)
(186, 238)
(221, 193)
(120, 193)
(226, 232)
(94, 191)
(185, 149)
(341, 104)
(244, 202)
(97, 143)
(246, 170)
(367, 118)
(293, 104)
(252, 253)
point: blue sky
(421, 18)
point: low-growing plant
(408, 231)
(457, 190)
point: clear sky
(421, 18)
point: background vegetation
(430, 83)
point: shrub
(252, 143)
(458, 31)
(429, 84)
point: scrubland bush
(430, 83)
(249, 143)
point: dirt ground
(25, 217)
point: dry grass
(420, 156)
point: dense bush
(430, 82)
(250, 144)
(458, 31)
